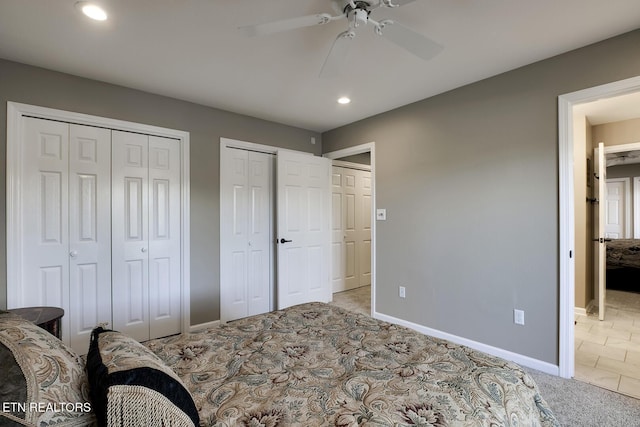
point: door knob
(144, 249)
(73, 254)
(283, 240)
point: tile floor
(608, 352)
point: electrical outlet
(402, 292)
(518, 317)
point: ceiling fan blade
(338, 53)
(395, 3)
(421, 46)
(286, 24)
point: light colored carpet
(579, 404)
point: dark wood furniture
(48, 318)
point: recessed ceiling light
(344, 100)
(92, 10)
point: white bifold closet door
(66, 236)
(246, 259)
(146, 235)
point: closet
(275, 231)
(96, 226)
(246, 259)
(145, 218)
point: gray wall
(469, 179)
(31, 85)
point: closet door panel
(234, 176)
(164, 237)
(260, 230)
(246, 259)
(337, 231)
(89, 231)
(45, 198)
(130, 246)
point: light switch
(381, 214)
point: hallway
(608, 352)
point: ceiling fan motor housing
(344, 6)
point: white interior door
(303, 231)
(164, 237)
(246, 233)
(614, 221)
(352, 216)
(351, 228)
(89, 232)
(337, 231)
(130, 223)
(600, 251)
(618, 220)
(364, 227)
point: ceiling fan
(357, 13)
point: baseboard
(579, 311)
(591, 306)
(520, 359)
(200, 326)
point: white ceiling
(192, 50)
(614, 109)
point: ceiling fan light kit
(357, 13)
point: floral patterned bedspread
(319, 365)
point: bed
(623, 265)
(623, 253)
(309, 365)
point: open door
(303, 228)
(600, 251)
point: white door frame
(350, 151)
(566, 201)
(15, 113)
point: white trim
(627, 203)
(579, 311)
(202, 326)
(351, 165)
(520, 359)
(15, 113)
(350, 151)
(244, 145)
(566, 201)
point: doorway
(567, 205)
(364, 153)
